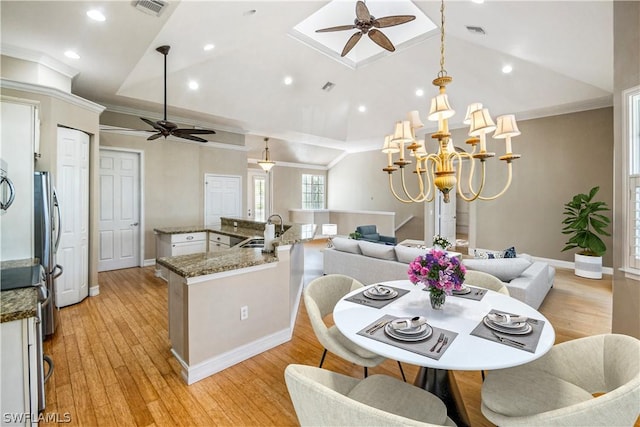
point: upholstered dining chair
(485, 280)
(320, 297)
(558, 389)
(325, 398)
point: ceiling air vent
(328, 86)
(150, 7)
(475, 30)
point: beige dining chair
(320, 297)
(559, 388)
(484, 280)
(325, 398)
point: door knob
(135, 224)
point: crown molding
(39, 58)
(292, 165)
(52, 92)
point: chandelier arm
(420, 197)
(509, 176)
(393, 191)
(476, 194)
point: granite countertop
(201, 264)
(204, 263)
(16, 304)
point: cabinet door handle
(189, 237)
(12, 193)
(135, 224)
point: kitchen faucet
(281, 223)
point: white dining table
(460, 315)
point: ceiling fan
(166, 128)
(366, 23)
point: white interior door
(72, 186)
(119, 225)
(222, 197)
(257, 196)
(446, 218)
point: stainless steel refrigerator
(47, 229)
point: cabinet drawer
(219, 238)
(188, 248)
(188, 237)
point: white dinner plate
(400, 337)
(417, 330)
(390, 295)
(463, 291)
(524, 329)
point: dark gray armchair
(370, 234)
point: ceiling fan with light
(366, 23)
(166, 128)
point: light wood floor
(113, 364)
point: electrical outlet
(244, 312)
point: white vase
(588, 266)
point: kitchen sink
(252, 243)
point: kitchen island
(226, 306)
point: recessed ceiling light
(507, 69)
(71, 54)
(477, 1)
(288, 80)
(362, 108)
(96, 15)
(209, 46)
(193, 85)
(419, 92)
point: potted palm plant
(585, 222)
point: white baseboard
(149, 262)
(568, 264)
(94, 290)
(192, 374)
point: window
(259, 198)
(312, 192)
(632, 120)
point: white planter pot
(588, 266)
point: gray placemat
(359, 298)
(476, 293)
(529, 341)
(423, 348)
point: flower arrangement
(439, 272)
(441, 242)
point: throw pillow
(346, 245)
(377, 250)
(406, 254)
(503, 268)
(487, 254)
(510, 252)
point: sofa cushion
(346, 245)
(406, 254)
(376, 250)
(505, 269)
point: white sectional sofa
(527, 280)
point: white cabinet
(178, 244)
(19, 133)
(218, 242)
(19, 387)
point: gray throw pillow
(505, 269)
(377, 250)
(346, 245)
(406, 254)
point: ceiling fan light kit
(443, 171)
(366, 23)
(166, 128)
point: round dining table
(459, 317)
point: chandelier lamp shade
(266, 164)
(443, 170)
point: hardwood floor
(113, 364)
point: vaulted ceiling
(561, 54)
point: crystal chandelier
(444, 170)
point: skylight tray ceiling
(561, 53)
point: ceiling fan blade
(338, 28)
(153, 124)
(381, 40)
(351, 43)
(390, 21)
(191, 137)
(194, 131)
(362, 12)
(154, 136)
